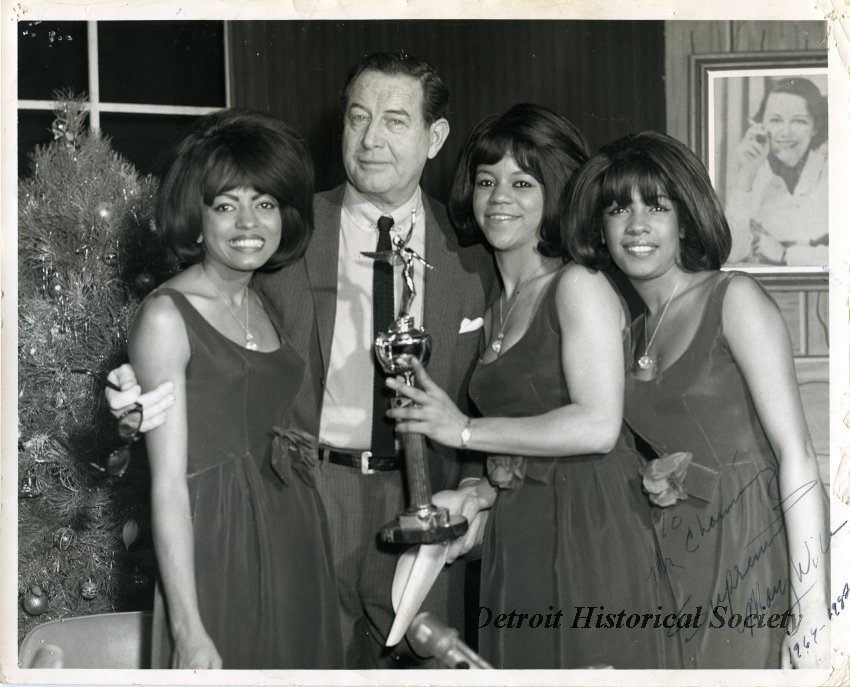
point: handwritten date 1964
(836, 607)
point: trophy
(421, 522)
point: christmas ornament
(35, 601)
(29, 488)
(59, 399)
(55, 288)
(143, 282)
(130, 533)
(61, 133)
(110, 258)
(88, 590)
(138, 582)
(46, 585)
(103, 211)
(71, 113)
(63, 538)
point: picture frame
(759, 123)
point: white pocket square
(468, 325)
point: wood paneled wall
(606, 76)
(685, 38)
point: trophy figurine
(421, 522)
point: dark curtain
(606, 76)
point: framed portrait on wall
(759, 121)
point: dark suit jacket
(304, 296)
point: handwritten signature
(686, 532)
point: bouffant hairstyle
(652, 164)
(544, 144)
(230, 149)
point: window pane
(51, 54)
(33, 129)
(144, 139)
(162, 62)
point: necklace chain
(646, 361)
(249, 338)
(496, 345)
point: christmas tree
(88, 252)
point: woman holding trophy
(568, 527)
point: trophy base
(429, 525)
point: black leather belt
(361, 460)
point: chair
(109, 640)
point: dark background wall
(606, 76)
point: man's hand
(155, 402)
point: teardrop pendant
(646, 362)
(496, 346)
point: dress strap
(714, 306)
(188, 311)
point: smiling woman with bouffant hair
(246, 580)
(229, 149)
(559, 514)
(712, 391)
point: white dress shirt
(346, 420)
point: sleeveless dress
(573, 541)
(724, 545)
(265, 583)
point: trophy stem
(421, 522)
(417, 477)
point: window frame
(95, 106)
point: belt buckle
(364, 463)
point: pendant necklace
(646, 361)
(249, 338)
(496, 345)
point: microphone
(430, 637)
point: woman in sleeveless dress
(568, 549)
(240, 533)
(739, 508)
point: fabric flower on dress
(294, 449)
(664, 478)
(506, 472)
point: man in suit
(394, 122)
